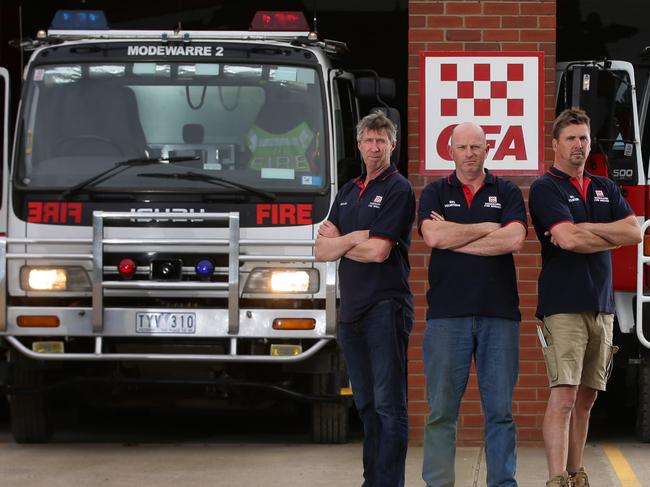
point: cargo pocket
(551, 363)
(609, 353)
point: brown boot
(561, 480)
(580, 478)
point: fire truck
(159, 212)
(607, 91)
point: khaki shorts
(580, 349)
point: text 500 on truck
(160, 210)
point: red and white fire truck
(607, 91)
(159, 211)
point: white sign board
(503, 92)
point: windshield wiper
(195, 176)
(123, 166)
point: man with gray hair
(369, 229)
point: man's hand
(329, 230)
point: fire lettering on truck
(284, 214)
(54, 212)
(205, 51)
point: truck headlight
(73, 278)
(266, 280)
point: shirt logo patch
(451, 204)
(343, 203)
(600, 197)
(492, 202)
(376, 203)
(573, 199)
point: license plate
(165, 323)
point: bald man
(473, 221)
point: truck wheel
(643, 408)
(30, 415)
(329, 419)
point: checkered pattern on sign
(487, 89)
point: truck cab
(162, 201)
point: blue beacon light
(204, 268)
(79, 20)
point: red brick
(444, 46)
(425, 35)
(547, 22)
(525, 287)
(531, 247)
(482, 46)
(531, 407)
(444, 21)
(522, 394)
(522, 260)
(416, 21)
(538, 35)
(483, 22)
(463, 35)
(427, 8)
(470, 407)
(519, 46)
(538, 8)
(523, 421)
(528, 273)
(464, 8)
(501, 35)
(501, 8)
(520, 21)
(418, 408)
(472, 420)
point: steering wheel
(76, 142)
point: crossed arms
(484, 239)
(587, 238)
(357, 245)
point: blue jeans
(449, 345)
(375, 354)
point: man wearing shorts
(578, 219)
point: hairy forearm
(505, 240)
(581, 240)
(372, 250)
(618, 233)
(451, 235)
(333, 248)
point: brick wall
(480, 26)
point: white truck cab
(160, 208)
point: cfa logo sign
(503, 92)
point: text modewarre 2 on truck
(620, 135)
(160, 209)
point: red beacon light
(293, 21)
(127, 268)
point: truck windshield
(255, 124)
(606, 95)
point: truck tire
(643, 408)
(330, 422)
(29, 413)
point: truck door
(345, 117)
(606, 91)
(4, 136)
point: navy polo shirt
(386, 207)
(571, 282)
(462, 284)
